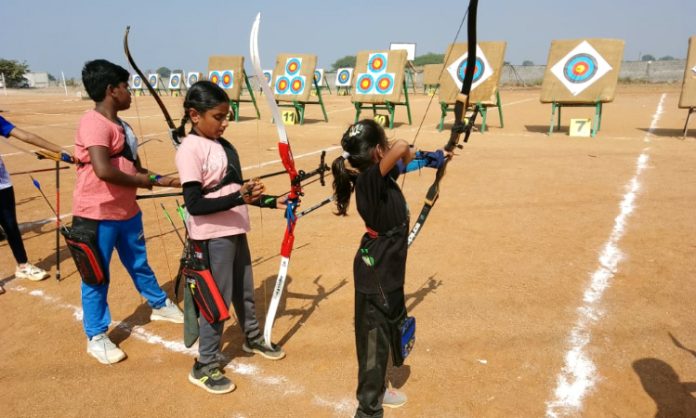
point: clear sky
(60, 35)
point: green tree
(13, 70)
(647, 57)
(429, 58)
(347, 61)
(527, 63)
(667, 58)
(51, 77)
(164, 72)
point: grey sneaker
(258, 346)
(393, 398)
(169, 312)
(104, 350)
(210, 378)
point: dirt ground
(546, 258)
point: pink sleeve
(189, 163)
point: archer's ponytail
(343, 184)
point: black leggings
(8, 221)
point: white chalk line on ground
(579, 373)
(283, 384)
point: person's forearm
(34, 139)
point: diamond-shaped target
(580, 68)
(483, 70)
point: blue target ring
(384, 83)
(268, 76)
(176, 79)
(152, 80)
(377, 63)
(296, 85)
(365, 84)
(282, 85)
(478, 70)
(293, 66)
(344, 76)
(317, 76)
(580, 68)
(137, 82)
(192, 79)
(227, 79)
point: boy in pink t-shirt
(108, 177)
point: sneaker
(394, 398)
(31, 272)
(3, 237)
(259, 346)
(210, 378)
(2, 290)
(169, 312)
(104, 350)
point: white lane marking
(579, 373)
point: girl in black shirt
(370, 166)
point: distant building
(37, 80)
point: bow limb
(295, 182)
(170, 123)
(459, 127)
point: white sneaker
(104, 350)
(394, 398)
(31, 272)
(169, 312)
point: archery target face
(191, 79)
(319, 75)
(482, 72)
(580, 68)
(385, 83)
(293, 66)
(297, 85)
(153, 80)
(137, 82)
(227, 80)
(175, 81)
(365, 84)
(376, 63)
(344, 77)
(214, 77)
(282, 85)
(269, 76)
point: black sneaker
(210, 378)
(258, 346)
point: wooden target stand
(234, 104)
(300, 106)
(596, 122)
(482, 109)
(322, 86)
(388, 106)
